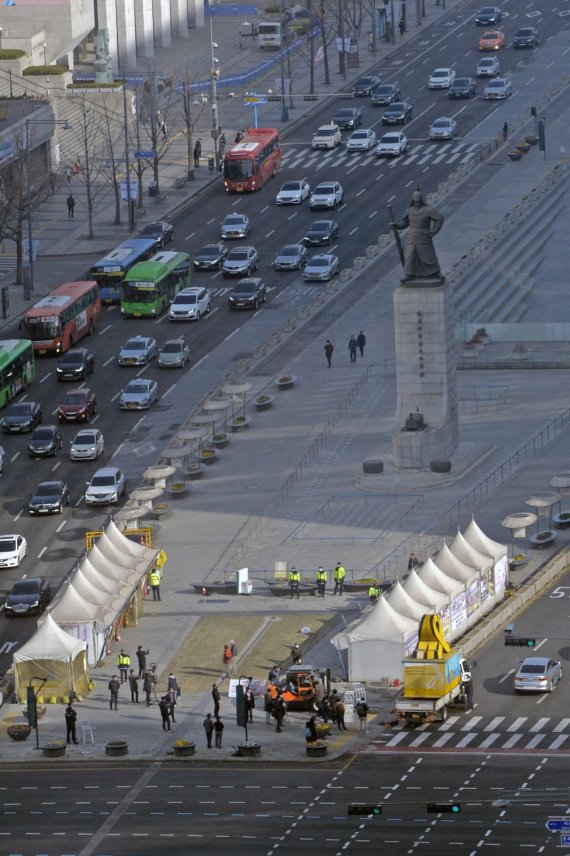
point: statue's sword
(396, 235)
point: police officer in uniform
(339, 575)
(373, 593)
(294, 580)
(154, 583)
(123, 662)
(321, 580)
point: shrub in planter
(42, 70)
(523, 147)
(19, 731)
(117, 747)
(515, 155)
(54, 749)
(184, 747)
(11, 53)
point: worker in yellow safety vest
(154, 583)
(123, 662)
(294, 581)
(322, 578)
(339, 575)
(161, 560)
(373, 593)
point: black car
(488, 15)
(22, 417)
(527, 37)
(74, 364)
(397, 113)
(49, 498)
(347, 118)
(365, 85)
(384, 94)
(248, 293)
(45, 441)
(462, 87)
(210, 257)
(28, 596)
(161, 232)
(321, 232)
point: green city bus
(150, 287)
(17, 368)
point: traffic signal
(519, 642)
(442, 808)
(364, 809)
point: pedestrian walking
(370, 40)
(173, 685)
(70, 723)
(361, 342)
(233, 648)
(325, 708)
(505, 131)
(311, 730)
(273, 675)
(51, 178)
(468, 688)
(402, 26)
(322, 579)
(148, 685)
(134, 686)
(171, 696)
(154, 583)
(352, 346)
(294, 582)
(216, 699)
(268, 705)
(123, 662)
(329, 348)
(373, 593)
(209, 729)
(164, 707)
(222, 144)
(339, 711)
(362, 713)
(228, 661)
(239, 136)
(278, 711)
(295, 654)
(218, 732)
(141, 656)
(249, 705)
(339, 575)
(68, 175)
(114, 687)
(413, 562)
(164, 130)
(70, 206)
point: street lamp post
(214, 74)
(130, 205)
(29, 286)
(284, 108)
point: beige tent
(52, 654)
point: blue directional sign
(564, 840)
(557, 824)
(145, 154)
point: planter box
(562, 519)
(316, 750)
(285, 381)
(264, 403)
(116, 748)
(221, 440)
(238, 426)
(543, 539)
(283, 590)
(184, 751)
(209, 459)
(227, 587)
(249, 750)
(19, 732)
(54, 750)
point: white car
(489, 66)
(498, 89)
(392, 145)
(293, 193)
(13, 548)
(361, 140)
(328, 194)
(326, 137)
(441, 78)
(106, 486)
(87, 445)
(443, 129)
(190, 304)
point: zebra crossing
(452, 152)
(299, 290)
(7, 265)
(477, 733)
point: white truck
(269, 34)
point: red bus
(56, 322)
(250, 163)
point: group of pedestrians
(338, 574)
(355, 344)
(331, 707)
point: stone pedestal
(425, 373)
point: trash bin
(211, 164)
(152, 188)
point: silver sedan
(139, 394)
(321, 267)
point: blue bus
(110, 271)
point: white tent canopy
(430, 574)
(477, 539)
(71, 606)
(422, 593)
(468, 554)
(121, 542)
(404, 604)
(53, 655)
(447, 562)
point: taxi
(492, 40)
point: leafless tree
(191, 113)
(112, 137)
(88, 163)
(152, 120)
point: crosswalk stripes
(421, 153)
(477, 732)
(7, 264)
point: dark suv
(28, 596)
(77, 363)
(248, 293)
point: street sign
(564, 840)
(254, 99)
(555, 824)
(145, 154)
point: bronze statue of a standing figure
(418, 256)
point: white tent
(404, 603)
(477, 539)
(52, 654)
(377, 643)
(430, 574)
(121, 542)
(422, 593)
(106, 582)
(447, 562)
(88, 589)
(468, 554)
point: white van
(189, 305)
(269, 34)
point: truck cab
(299, 687)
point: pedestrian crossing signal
(442, 808)
(364, 809)
(519, 642)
